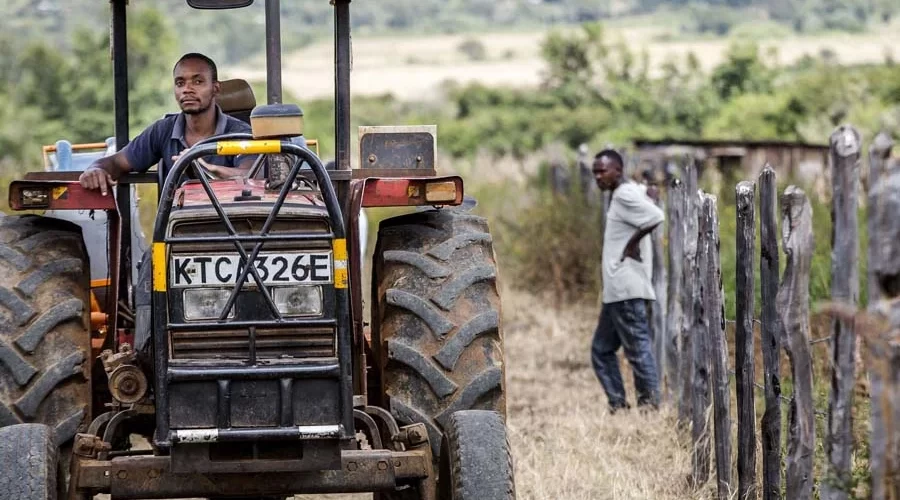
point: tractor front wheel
(29, 457)
(476, 463)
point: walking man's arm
(633, 247)
(639, 211)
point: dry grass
(565, 443)
(414, 66)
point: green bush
(473, 49)
(760, 30)
(705, 19)
(553, 244)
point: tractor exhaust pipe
(342, 83)
(273, 51)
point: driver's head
(196, 83)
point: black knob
(246, 195)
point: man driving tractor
(196, 90)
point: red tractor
(236, 343)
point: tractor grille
(314, 342)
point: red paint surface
(193, 194)
(74, 196)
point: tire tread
(29, 456)
(45, 351)
(479, 456)
(444, 317)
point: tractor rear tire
(28, 453)
(45, 338)
(436, 319)
(476, 462)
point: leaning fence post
(691, 209)
(658, 306)
(879, 154)
(675, 215)
(743, 355)
(886, 268)
(699, 334)
(714, 309)
(845, 155)
(770, 337)
(793, 308)
(879, 162)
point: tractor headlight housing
(298, 300)
(205, 303)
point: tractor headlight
(205, 303)
(298, 300)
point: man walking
(627, 285)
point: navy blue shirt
(159, 142)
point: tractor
(226, 355)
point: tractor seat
(236, 99)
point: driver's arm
(137, 156)
(104, 172)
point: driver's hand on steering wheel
(215, 171)
(212, 171)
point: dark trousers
(625, 324)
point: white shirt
(630, 210)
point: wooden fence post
(691, 232)
(793, 308)
(675, 215)
(845, 155)
(658, 306)
(699, 335)
(886, 266)
(879, 153)
(745, 195)
(770, 334)
(879, 163)
(714, 309)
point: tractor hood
(241, 191)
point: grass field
(414, 66)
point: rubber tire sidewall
(28, 463)
(476, 459)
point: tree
(571, 60)
(53, 94)
(743, 71)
